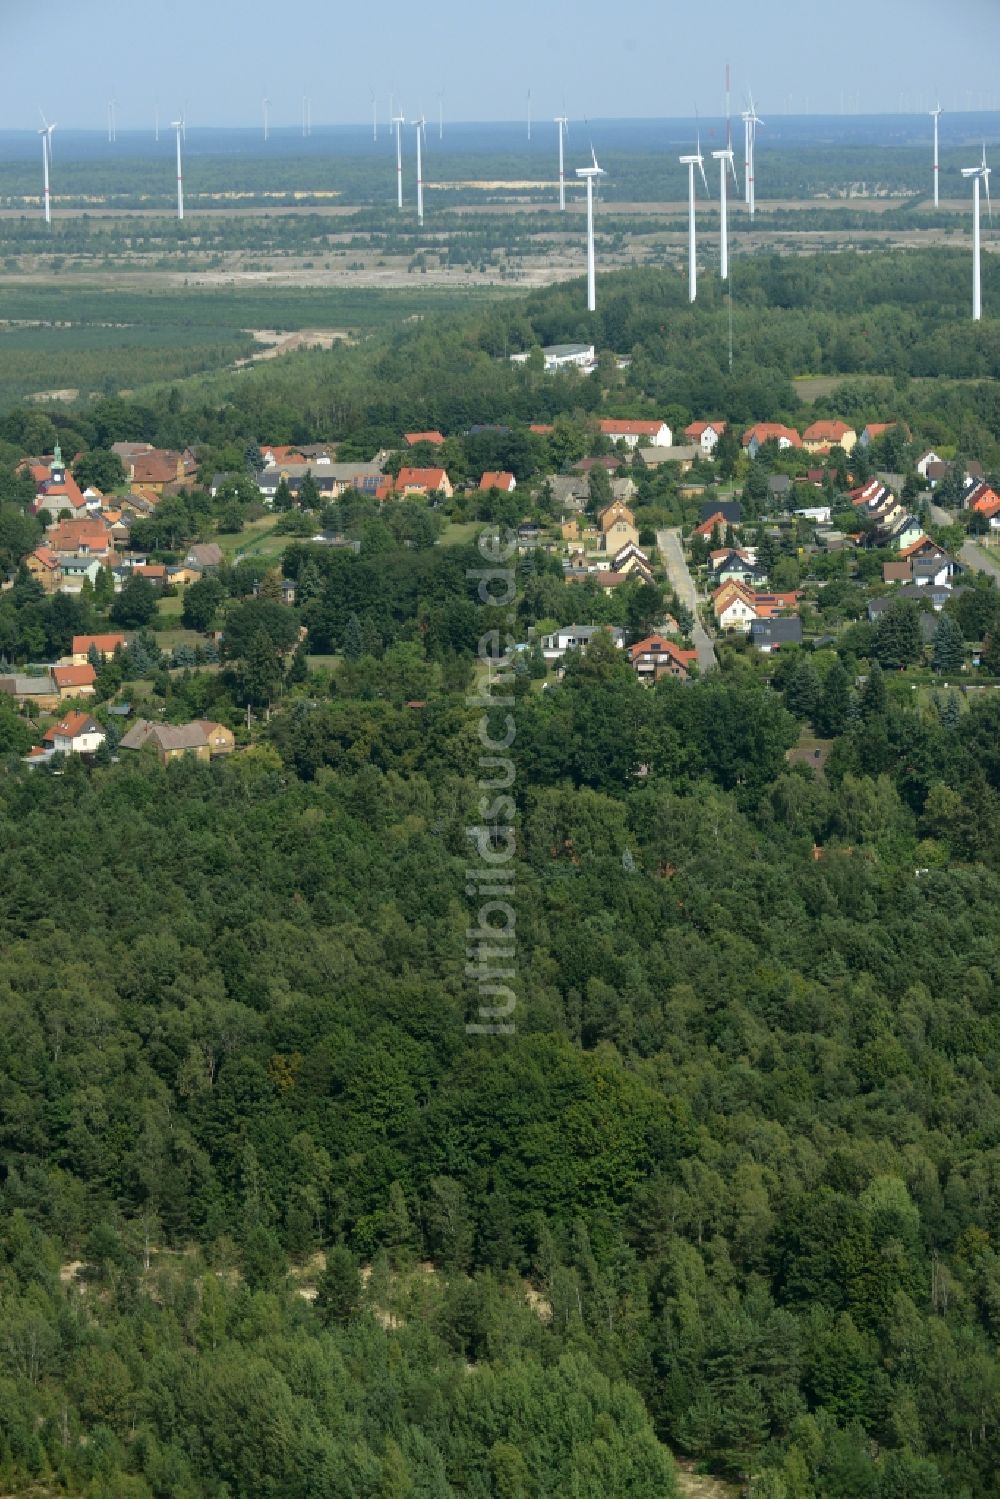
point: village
(765, 541)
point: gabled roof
(72, 726)
(659, 645)
(709, 524)
(106, 644)
(824, 431)
(765, 431)
(420, 478)
(412, 438)
(74, 676)
(628, 428)
(46, 556)
(695, 429)
(497, 480)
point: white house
(705, 434)
(925, 460)
(650, 434)
(581, 357)
(577, 638)
(76, 734)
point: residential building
(925, 462)
(502, 481)
(159, 469)
(75, 734)
(221, 741)
(578, 638)
(43, 565)
(771, 634)
(705, 435)
(657, 657)
(74, 681)
(730, 511)
(80, 538)
(820, 437)
(423, 481)
(874, 430)
(104, 645)
(648, 434)
(617, 524)
(715, 523)
(171, 741)
(412, 438)
(204, 558)
(756, 436)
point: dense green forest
(272, 1220)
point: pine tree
(949, 645)
(831, 711)
(354, 645)
(873, 696)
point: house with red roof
(104, 645)
(705, 434)
(716, 520)
(423, 481)
(75, 734)
(873, 430)
(80, 538)
(821, 436)
(74, 681)
(502, 481)
(756, 436)
(43, 565)
(634, 434)
(657, 657)
(435, 438)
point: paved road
(681, 581)
(977, 559)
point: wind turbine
(398, 121)
(440, 117)
(374, 118)
(978, 174)
(697, 160)
(726, 163)
(267, 123)
(752, 120)
(590, 175)
(112, 123)
(420, 126)
(306, 116)
(563, 124)
(178, 125)
(46, 134)
(935, 116)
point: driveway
(681, 581)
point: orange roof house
(656, 657)
(423, 481)
(104, 645)
(756, 436)
(708, 526)
(74, 681)
(821, 436)
(412, 438)
(504, 481)
(705, 434)
(78, 536)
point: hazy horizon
(217, 65)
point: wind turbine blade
(701, 168)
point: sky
(635, 58)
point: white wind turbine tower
(563, 124)
(752, 121)
(697, 160)
(590, 175)
(374, 118)
(46, 134)
(726, 164)
(978, 174)
(398, 121)
(420, 126)
(935, 116)
(267, 122)
(112, 123)
(178, 125)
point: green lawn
(459, 533)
